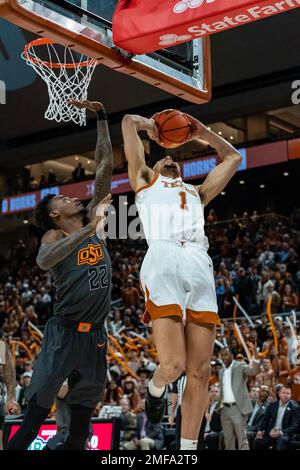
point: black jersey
(83, 283)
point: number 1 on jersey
(183, 204)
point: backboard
(86, 26)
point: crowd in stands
(255, 257)
(24, 182)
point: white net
(67, 75)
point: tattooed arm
(55, 247)
(9, 377)
(103, 152)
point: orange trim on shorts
(163, 311)
(154, 179)
(203, 317)
(153, 311)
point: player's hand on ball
(153, 132)
(99, 212)
(198, 129)
(91, 105)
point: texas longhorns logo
(182, 6)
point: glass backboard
(86, 26)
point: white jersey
(171, 210)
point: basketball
(174, 128)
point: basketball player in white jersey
(177, 274)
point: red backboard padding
(141, 26)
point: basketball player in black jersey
(74, 344)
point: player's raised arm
(220, 176)
(103, 151)
(55, 247)
(139, 173)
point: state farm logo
(182, 6)
(172, 39)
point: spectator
(128, 423)
(134, 361)
(19, 386)
(254, 343)
(117, 320)
(243, 288)
(212, 216)
(148, 436)
(22, 400)
(78, 173)
(130, 294)
(212, 420)
(51, 178)
(284, 253)
(113, 394)
(43, 182)
(142, 385)
(294, 380)
(290, 299)
(257, 414)
(131, 392)
(283, 277)
(214, 375)
(236, 405)
(267, 376)
(269, 290)
(292, 345)
(262, 334)
(228, 300)
(280, 422)
(266, 258)
(220, 292)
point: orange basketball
(174, 128)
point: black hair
(42, 214)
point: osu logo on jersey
(90, 255)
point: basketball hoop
(66, 78)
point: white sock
(154, 391)
(188, 444)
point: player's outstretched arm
(55, 247)
(220, 176)
(103, 151)
(139, 173)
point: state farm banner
(141, 26)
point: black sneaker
(155, 408)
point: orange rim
(55, 65)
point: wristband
(101, 115)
